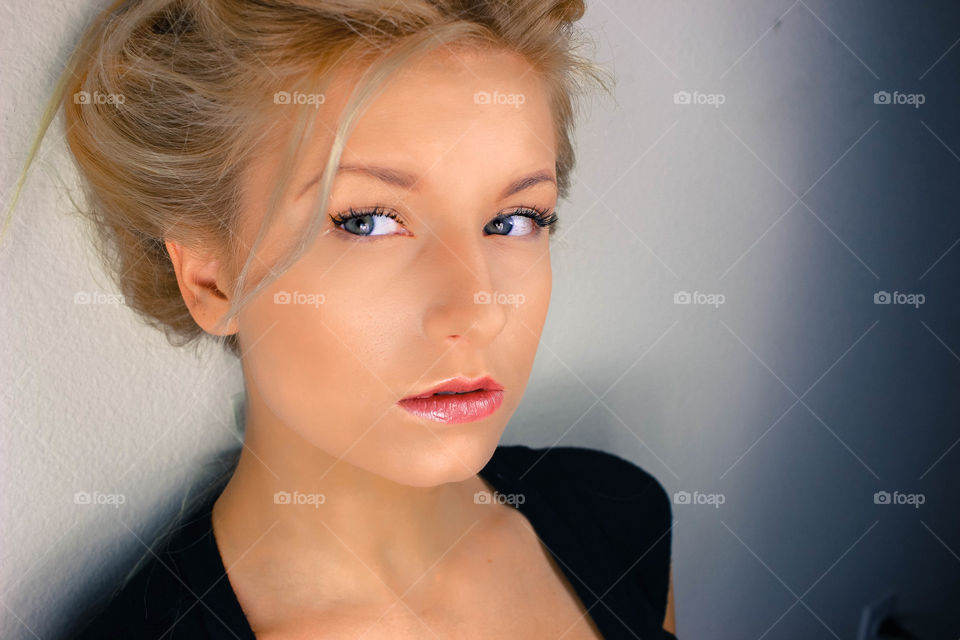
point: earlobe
(201, 285)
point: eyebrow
(409, 181)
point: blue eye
(374, 222)
(520, 222)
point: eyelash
(340, 219)
(541, 216)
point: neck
(289, 502)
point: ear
(202, 284)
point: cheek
(536, 285)
(517, 347)
(314, 352)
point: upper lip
(459, 385)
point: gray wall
(793, 401)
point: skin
(399, 529)
(669, 618)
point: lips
(460, 385)
(457, 400)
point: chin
(448, 457)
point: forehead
(452, 111)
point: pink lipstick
(456, 400)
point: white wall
(668, 197)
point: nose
(463, 303)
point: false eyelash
(541, 216)
(341, 218)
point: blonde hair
(165, 103)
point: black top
(606, 522)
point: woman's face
(381, 308)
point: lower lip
(455, 408)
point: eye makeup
(361, 222)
